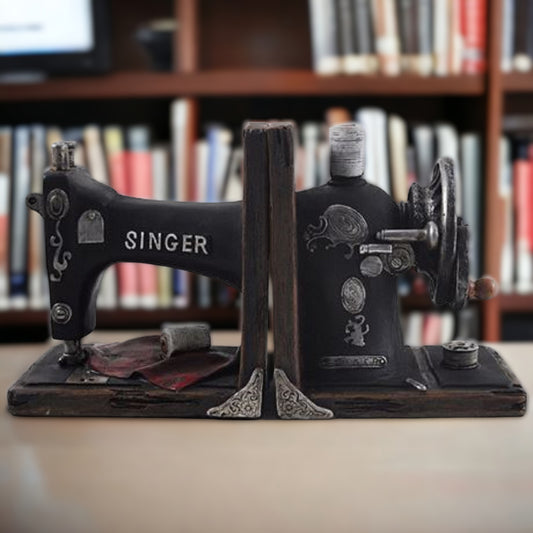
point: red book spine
(127, 272)
(140, 172)
(474, 24)
(523, 193)
(530, 197)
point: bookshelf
(247, 54)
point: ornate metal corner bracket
(292, 404)
(245, 403)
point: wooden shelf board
(518, 82)
(145, 84)
(128, 318)
(516, 303)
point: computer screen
(34, 27)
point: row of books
(424, 37)
(398, 154)
(205, 169)
(517, 35)
(428, 328)
(516, 192)
(126, 159)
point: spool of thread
(460, 355)
(347, 150)
(185, 337)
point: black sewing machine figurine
(333, 252)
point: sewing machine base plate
(490, 390)
(47, 389)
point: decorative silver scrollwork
(293, 404)
(356, 330)
(339, 224)
(61, 259)
(245, 403)
(57, 206)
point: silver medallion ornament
(353, 295)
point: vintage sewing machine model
(333, 254)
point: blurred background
(156, 93)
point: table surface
(70, 475)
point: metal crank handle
(429, 234)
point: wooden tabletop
(70, 475)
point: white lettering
(187, 244)
(130, 243)
(166, 242)
(154, 241)
(200, 242)
(171, 242)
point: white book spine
(471, 174)
(441, 36)
(36, 286)
(19, 217)
(4, 215)
(310, 137)
(398, 156)
(507, 35)
(326, 57)
(506, 194)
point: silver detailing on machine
(245, 403)
(293, 404)
(339, 224)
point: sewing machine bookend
(334, 254)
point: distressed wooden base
(46, 389)
(504, 397)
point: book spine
(140, 172)
(522, 198)
(5, 172)
(507, 35)
(310, 138)
(94, 153)
(181, 129)
(326, 58)
(521, 60)
(471, 179)
(387, 38)
(19, 217)
(424, 153)
(474, 16)
(160, 173)
(406, 26)
(441, 36)
(398, 157)
(364, 36)
(456, 42)
(423, 63)
(351, 62)
(506, 194)
(36, 259)
(127, 273)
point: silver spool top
(63, 155)
(347, 150)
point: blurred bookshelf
(238, 60)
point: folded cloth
(143, 356)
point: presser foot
(73, 355)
